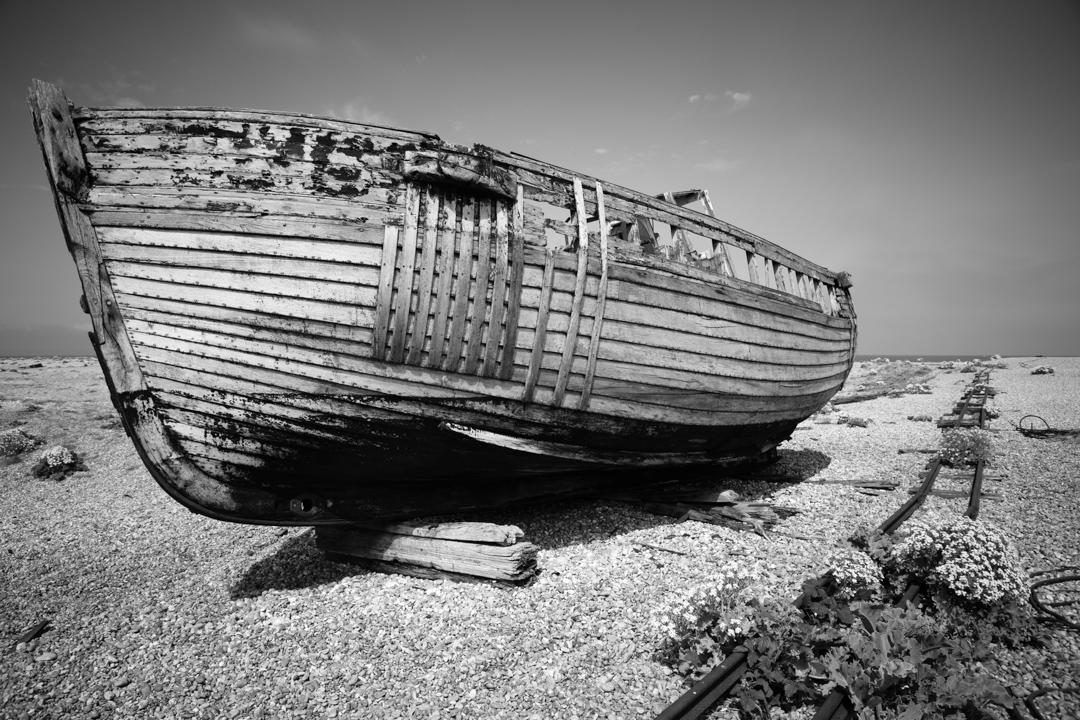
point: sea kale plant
(894, 661)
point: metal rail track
(710, 689)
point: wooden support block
(427, 549)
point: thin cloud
(738, 100)
(694, 98)
(600, 151)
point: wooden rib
(427, 276)
(579, 292)
(386, 291)
(533, 374)
(719, 246)
(479, 289)
(498, 293)
(751, 267)
(601, 303)
(517, 262)
(404, 276)
(462, 274)
(447, 236)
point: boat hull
(304, 321)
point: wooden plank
(544, 306)
(463, 272)
(263, 210)
(517, 254)
(403, 279)
(498, 293)
(512, 564)
(299, 333)
(579, 291)
(385, 294)
(362, 251)
(379, 188)
(427, 275)
(447, 241)
(247, 322)
(164, 258)
(601, 303)
(361, 296)
(100, 120)
(271, 305)
(480, 287)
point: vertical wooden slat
(781, 278)
(517, 267)
(725, 259)
(480, 288)
(601, 303)
(404, 279)
(427, 276)
(541, 328)
(463, 272)
(386, 291)
(751, 266)
(447, 236)
(579, 295)
(498, 292)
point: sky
(931, 149)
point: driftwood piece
(411, 553)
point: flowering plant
(962, 445)
(706, 618)
(856, 575)
(968, 559)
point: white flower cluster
(58, 456)
(719, 607)
(15, 441)
(971, 559)
(961, 445)
(855, 572)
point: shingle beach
(156, 612)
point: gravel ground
(157, 612)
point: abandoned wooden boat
(309, 321)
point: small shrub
(857, 422)
(964, 445)
(13, 442)
(1043, 370)
(921, 418)
(970, 560)
(57, 462)
(856, 575)
(707, 619)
